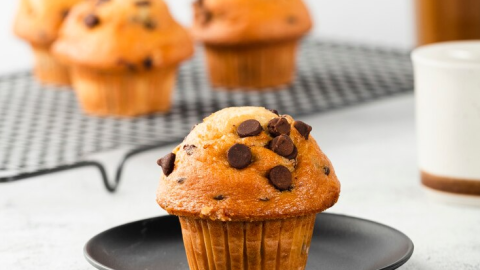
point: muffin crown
(244, 22)
(38, 21)
(247, 163)
(122, 34)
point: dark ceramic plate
(339, 242)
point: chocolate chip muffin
(124, 55)
(247, 184)
(38, 22)
(250, 43)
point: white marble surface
(45, 221)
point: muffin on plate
(123, 55)
(38, 22)
(250, 43)
(247, 185)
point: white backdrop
(383, 22)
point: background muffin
(247, 169)
(124, 55)
(250, 43)
(38, 22)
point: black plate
(339, 242)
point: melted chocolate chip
(91, 20)
(282, 145)
(275, 112)
(181, 180)
(142, 3)
(219, 197)
(264, 199)
(249, 128)
(294, 154)
(189, 148)
(239, 156)
(147, 63)
(326, 170)
(302, 128)
(167, 163)
(278, 126)
(280, 177)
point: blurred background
(372, 145)
(378, 22)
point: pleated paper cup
(47, 69)
(124, 94)
(252, 66)
(265, 245)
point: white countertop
(45, 221)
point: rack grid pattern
(42, 128)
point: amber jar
(445, 20)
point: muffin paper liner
(265, 245)
(47, 69)
(124, 94)
(254, 67)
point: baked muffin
(247, 185)
(123, 55)
(250, 43)
(38, 22)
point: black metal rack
(42, 129)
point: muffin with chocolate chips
(124, 55)
(250, 43)
(38, 22)
(247, 185)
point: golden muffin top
(38, 21)
(245, 164)
(237, 22)
(122, 34)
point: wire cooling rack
(43, 130)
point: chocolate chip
(189, 148)
(294, 154)
(282, 145)
(91, 20)
(249, 128)
(150, 25)
(130, 66)
(326, 170)
(142, 3)
(239, 156)
(264, 199)
(292, 19)
(64, 13)
(167, 163)
(280, 177)
(278, 126)
(274, 111)
(204, 15)
(219, 197)
(99, 2)
(302, 128)
(147, 63)
(181, 180)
